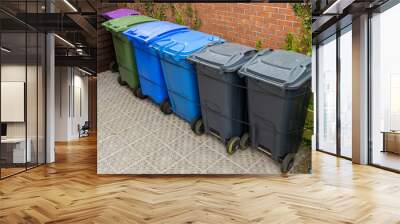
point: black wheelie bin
(223, 93)
(278, 89)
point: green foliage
(308, 128)
(157, 11)
(309, 123)
(194, 21)
(304, 11)
(311, 104)
(259, 44)
(160, 13)
(148, 8)
(186, 15)
(189, 11)
(179, 18)
(196, 24)
(301, 42)
(183, 14)
(290, 42)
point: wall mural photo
(192, 88)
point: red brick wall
(245, 23)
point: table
(19, 155)
(391, 141)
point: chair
(84, 130)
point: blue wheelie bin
(151, 76)
(180, 74)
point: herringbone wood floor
(69, 191)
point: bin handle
(304, 67)
(143, 37)
(183, 47)
(167, 45)
(235, 59)
(176, 54)
(164, 40)
(212, 43)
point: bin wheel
(233, 145)
(244, 141)
(287, 162)
(166, 107)
(121, 82)
(197, 126)
(113, 66)
(138, 93)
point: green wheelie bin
(123, 48)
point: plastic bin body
(179, 73)
(222, 90)
(279, 86)
(118, 13)
(148, 61)
(123, 47)
(182, 87)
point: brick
(238, 22)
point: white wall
(12, 73)
(80, 84)
(70, 83)
(17, 73)
(62, 81)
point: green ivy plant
(193, 19)
(196, 23)
(186, 15)
(259, 44)
(157, 11)
(179, 17)
(301, 42)
(148, 8)
(160, 13)
(183, 14)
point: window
(22, 77)
(346, 95)
(385, 89)
(327, 95)
(334, 106)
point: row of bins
(242, 96)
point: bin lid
(285, 69)
(228, 57)
(148, 32)
(120, 13)
(123, 23)
(182, 45)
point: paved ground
(134, 137)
